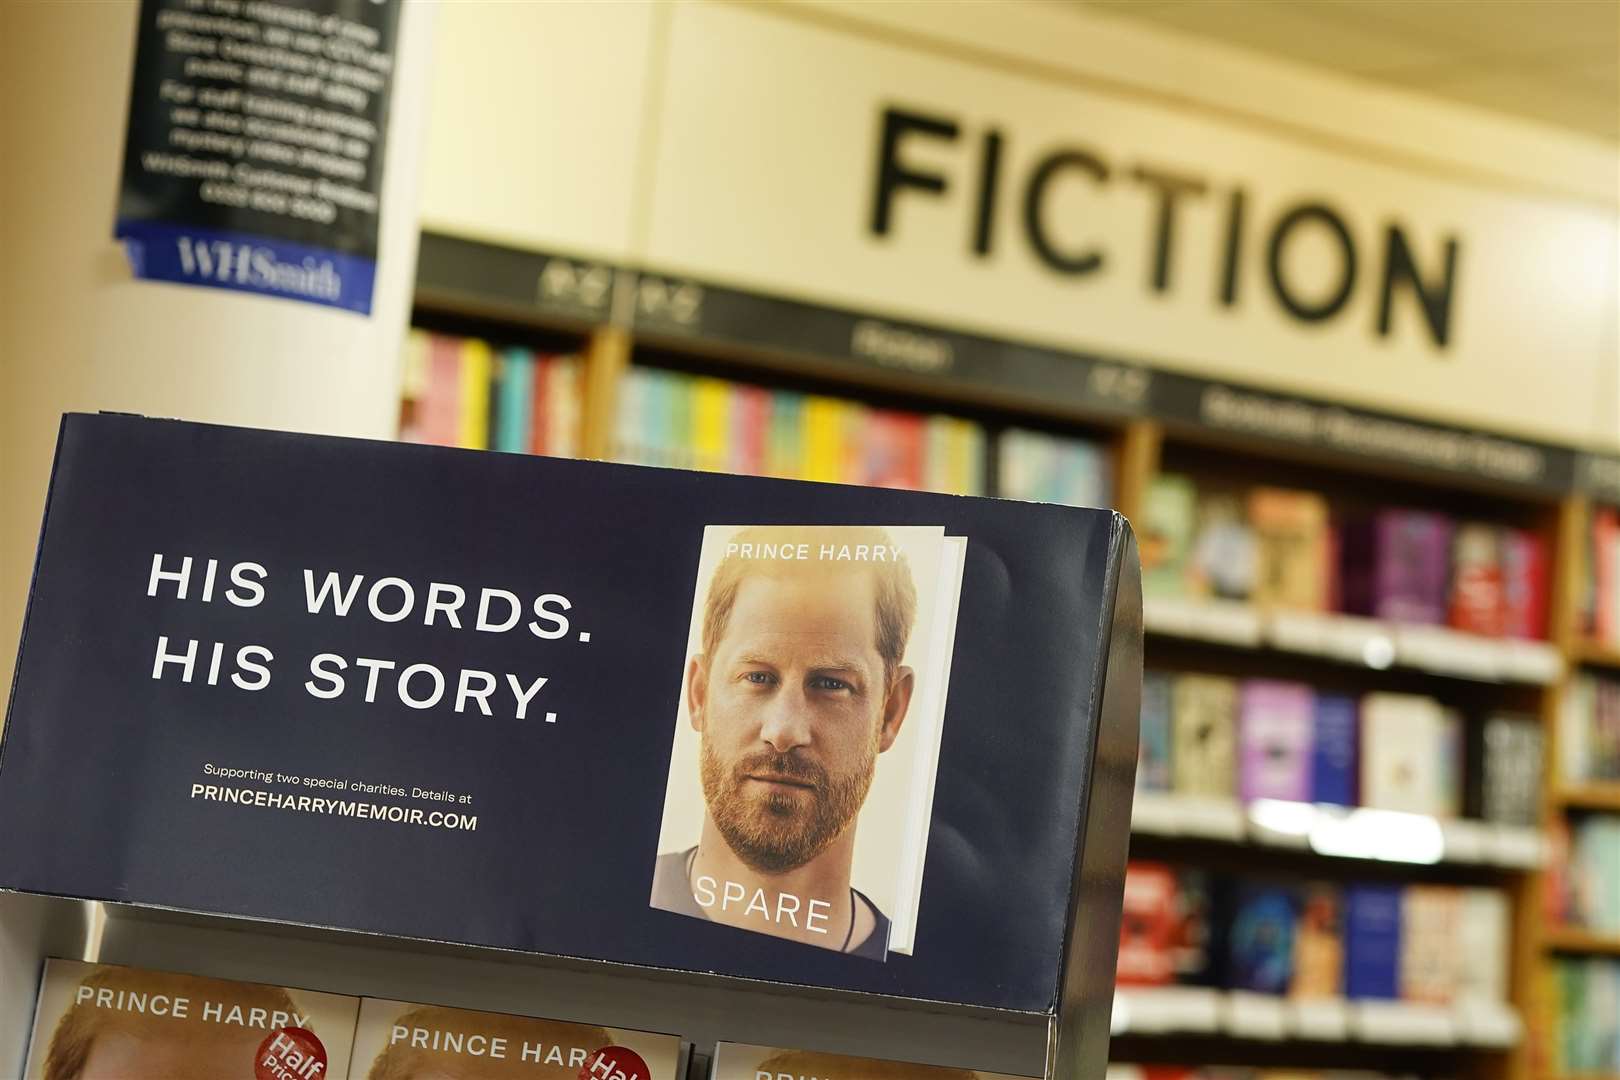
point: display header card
(848, 738)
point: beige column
(78, 333)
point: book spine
(711, 423)
(787, 439)
(414, 378)
(1372, 941)
(516, 401)
(441, 404)
(1476, 585)
(823, 454)
(566, 398)
(1154, 744)
(477, 370)
(1333, 750)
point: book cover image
(1275, 735)
(1372, 941)
(1260, 952)
(400, 1040)
(1147, 925)
(105, 1022)
(1318, 944)
(1401, 767)
(1153, 743)
(1333, 750)
(1429, 943)
(1291, 528)
(807, 735)
(1167, 534)
(736, 1061)
(1204, 744)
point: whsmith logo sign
(258, 266)
(247, 263)
(977, 179)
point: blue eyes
(825, 684)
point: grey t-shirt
(672, 891)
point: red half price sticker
(291, 1053)
(615, 1063)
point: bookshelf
(1152, 421)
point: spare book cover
(832, 736)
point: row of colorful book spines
(887, 449)
(1583, 881)
(460, 392)
(1583, 1000)
(1429, 943)
(670, 418)
(1281, 547)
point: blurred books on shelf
(1282, 550)
(1600, 593)
(679, 420)
(1589, 731)
(1267, 959)
(1036, 466)
(460, 391)
(1583, 882)
(1582, 1000)
(1273, 744)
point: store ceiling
(1551, 61)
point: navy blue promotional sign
(254, 154)
(443, 694)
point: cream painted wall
(535, 124)
(77, 333)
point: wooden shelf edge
(1601, 795)
(1573, 939)
(1595, 653)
